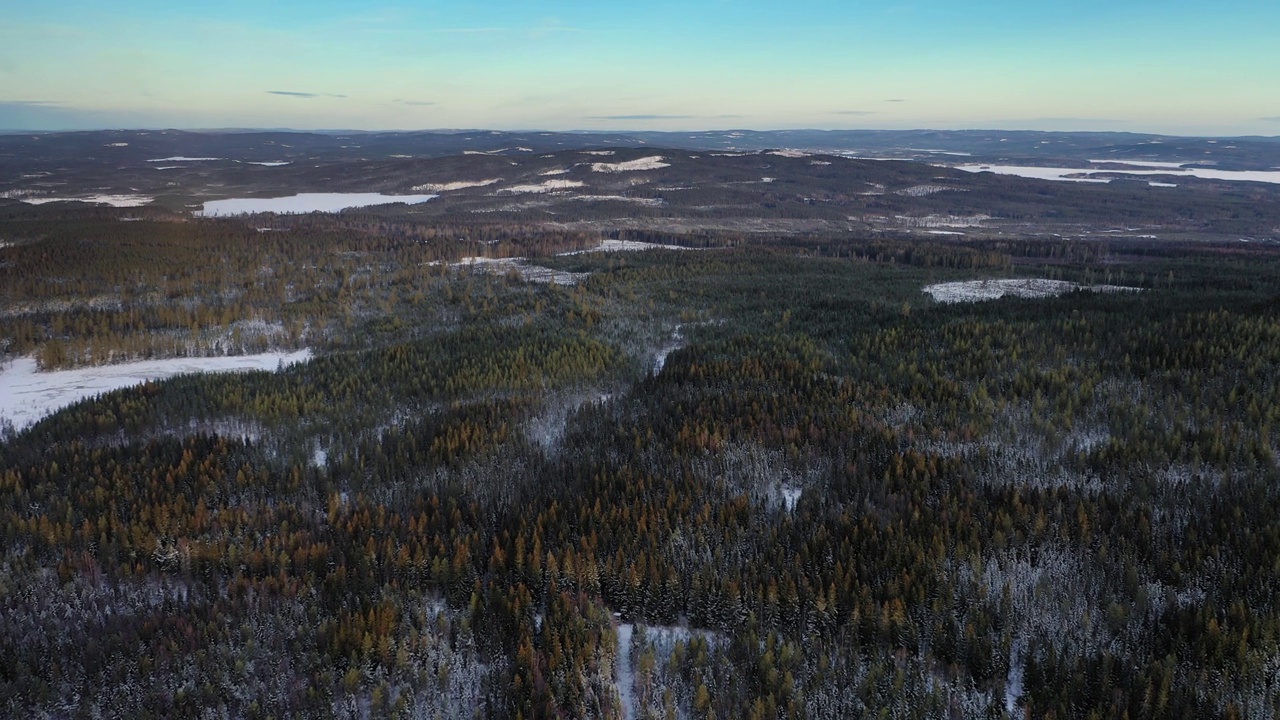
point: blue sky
(1175, 66)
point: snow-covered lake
(1140, 167)
(305, 203)
(27, 395)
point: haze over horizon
(1176, 68)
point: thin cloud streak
(646, 116)
(291, 93)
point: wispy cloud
(895, 100)
(853, 112)
(648, 116)
(540, 29)
(291, 93)
(416, 103)
(32, 103)
(1272, 118)
(640, 117)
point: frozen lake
(305, 203)
(27, 395)
(1140, 167)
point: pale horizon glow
(1189, 67)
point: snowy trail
(27, 395)
(626, 676)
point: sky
(1175, 66)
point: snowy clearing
(925, 190)
(27, 395)
(120, 201)
(555, 171)
(278, 163)
(626, 675)
(305, 203)
(788, 153)
(604, 153)
(647, 163)
(652, 202)
(179, 158)
(521, 266)
(548, 186)
(456, 185)
(625, 246)
(978, 290)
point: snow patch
(456, 185)
(545, 187)
(626, 677)
(925, 190)
(647, 163)
(305, 203)
(625, 246)
(179, 158)
(978, 290)
(112, 200)
(520, 266)
(27, 395)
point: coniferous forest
(761, 477)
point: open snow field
(625, 246)
(120, 201)
(546, 187)
(979, 290)
(305, 203)
(27, 395)
(648, 163)
(456, 185)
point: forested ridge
(801, 487)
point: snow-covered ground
(179, 158)
(625, 246)
(978, 290)
(651, 202)
(305, 203)
(277, 163)
(1058, 173)
(121, 201)
(531, 273)
(647, 163)
(626, 675)
(27, 395)
(546, 187)
(456, 185)
(924, 190)
(791, 496)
